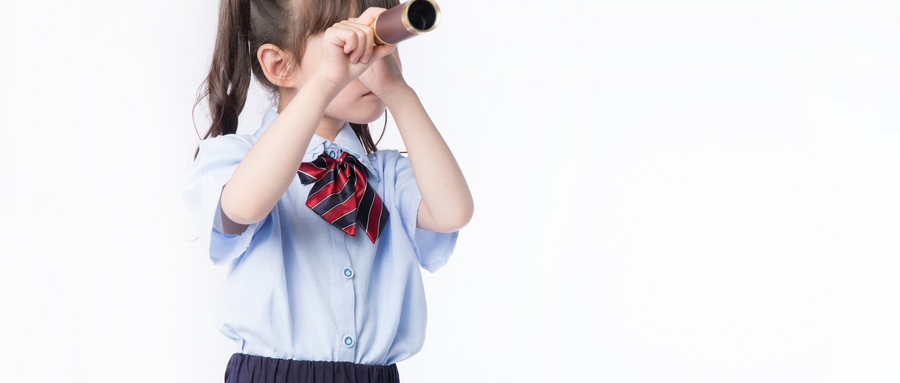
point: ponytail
(229, 76)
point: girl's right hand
(348, 49)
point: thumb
(381, 51)
(369, 15)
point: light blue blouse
(298, 287)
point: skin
(328, 88)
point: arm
(268, 168)
(447, 203)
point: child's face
(354, 103)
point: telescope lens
(422, 15)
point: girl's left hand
(385, 75)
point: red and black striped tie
(342, 196)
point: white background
(713, 185)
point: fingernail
(365, 60)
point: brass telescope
(406, 20)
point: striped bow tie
(342, 196)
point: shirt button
(332, 153)
(348, 272)
(348, 341)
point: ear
(275, 64)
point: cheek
(309, 63)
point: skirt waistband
(245, 368)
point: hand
(385, 75)
(348, 49)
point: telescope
(406, 20)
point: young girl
(322, 234)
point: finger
(370, 43)
(367, 41)
(369, 15)
(382, 50)
(348, 39)
(363, 41)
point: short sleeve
(203, 183)
(432, 249)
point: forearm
(445, 193)
(267, 170)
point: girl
(322, 234)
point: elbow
(465, 216)
(456, 220)
(240, 210)
(242, 216)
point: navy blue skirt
(244, 368)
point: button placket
(346, 297)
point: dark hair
(244, 26)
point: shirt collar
(346, 141)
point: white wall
(715, 184)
